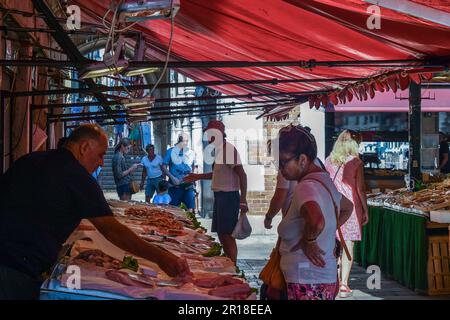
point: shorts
(123, 189)
(152, 186)
(179, 195)
(226, 212)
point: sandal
(345, 292)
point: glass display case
(385, 155)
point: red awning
(293, 30)
(433, 100)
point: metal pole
(200, 115)
(166, 110)
(269, 103)
(2, 132)
(66, 43)
(164, 100)
(31, 133)
(415, 131)
(50, 112)
(187, 113)
(120, 88)
(150, 108)
(329, 129)
(11, 110)
(307, 64)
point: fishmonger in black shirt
(43, 197)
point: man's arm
(171, 177)
(444, 161)
(239, 169)
(164, 166)
(128, 241)
(118, 169)
(192, 177)
(144, 175)
(276, 204)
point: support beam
(186, 113)
(200, 115)
(307, 64)
(249, 96)
(415, 131)
(2, 132)
(67, 45)
(174, 109)
(329, 130)
(184, 85)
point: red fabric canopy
(434, 100)
(292, 30)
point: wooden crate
(438, 265)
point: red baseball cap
(215, 124)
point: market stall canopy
(433, 100)
(298, 30)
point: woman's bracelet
(311, 240)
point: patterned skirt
(326, 291)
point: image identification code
(226, 309)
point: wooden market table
(408, 248)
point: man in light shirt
(228, 178)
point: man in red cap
(228, 178)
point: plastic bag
(243, 228)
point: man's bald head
(88, 143)
(87, 132)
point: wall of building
(16, 118)
(259, 201)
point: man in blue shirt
(181, 162)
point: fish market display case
(92, 268)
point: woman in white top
(307, 232)
(152, 164)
